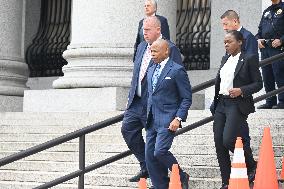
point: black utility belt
(224, 96)
(227, 97)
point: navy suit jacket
(247, 77)
(164, 30)
(174, 55)
(250, 45)
(172, 96)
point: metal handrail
(82, 132)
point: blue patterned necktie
(156, 76)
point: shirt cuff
(178, 118)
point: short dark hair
(231, 14)
(237, 35)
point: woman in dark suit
(237, 79)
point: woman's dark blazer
(247, 77)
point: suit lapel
(224, 60)
(165, 71)
(239, 64)
(141, 56)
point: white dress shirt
(227, 74)
(163, 63)
(146, 57)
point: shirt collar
(240, 28)
(237, 56)
(154, 14)
(163, 63)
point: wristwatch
(178, 118)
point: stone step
(97, 179)
(188, 138)
(53, 118)
(186, 160)
(92, 179)
(110, 148)
(29, 185)
(56, 115)
(256, 128)
(114, 168)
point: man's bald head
(151, 29)
(160, 50)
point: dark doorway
(193, 33)
(44, 55)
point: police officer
(271, 42)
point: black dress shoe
(265, 106)
(225, 186)
(278, 106)
(140, 174)
(184, 181)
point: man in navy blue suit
(231, 21)
(150, 9)
(135, 115)
(169, 99)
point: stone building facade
(99, 67)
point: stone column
(14, 71)
(103, 36)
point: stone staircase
(194, 150)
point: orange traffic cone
(175, 178)
(266, 177)
(142, 183)
(239, 177)
(282, 172)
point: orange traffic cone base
(142, 183)
(266, 176)
(175, 178)
(239, 183)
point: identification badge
(279, 11)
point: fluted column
(103, 35)
(13, 69)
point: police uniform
(272, 27)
